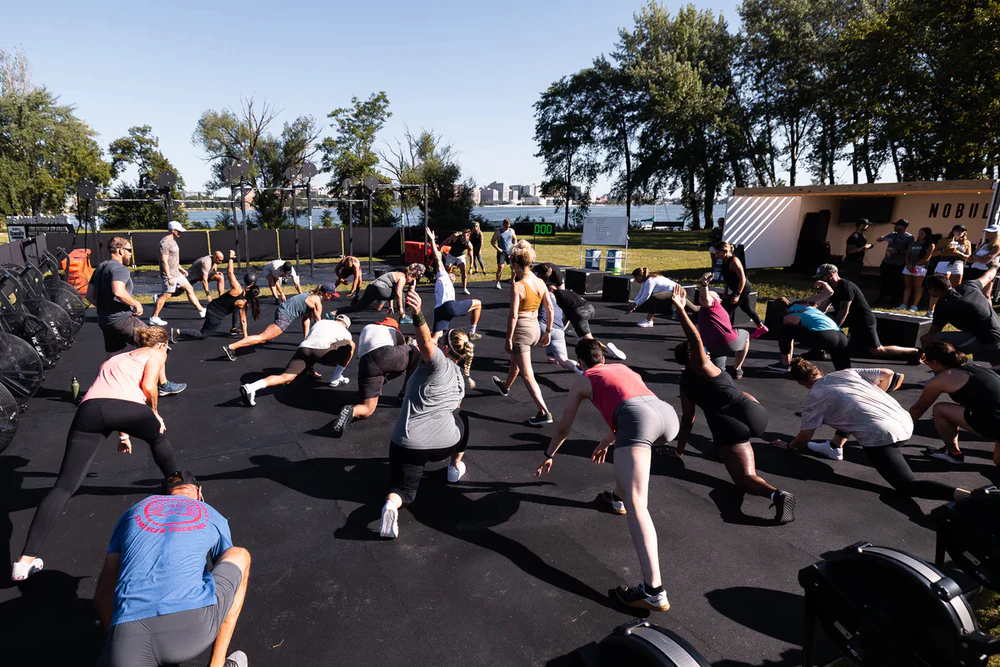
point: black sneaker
(541, 418)
(636, 596)
(778, 368)
(737, 373)
(784, 507)
(614, 503)
(343, 420)
(236, 332)
(229, 352)
(499, 383)
(944, 454)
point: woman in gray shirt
(426, 431)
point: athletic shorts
(955, 268)
(864, 337)
(917, 271)
(450, 260)
(526, 334)
(974, 273)
(984, 423)
(557, 344)
(121, 333)
(307, 357)
(644, 421)
(173, 638)
(720, 355)
(382, 364)
(447, 311)
(171, 286)
(737, 423)
(502, 258)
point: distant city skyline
(124, 64)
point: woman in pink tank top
(123, 399)
(637, 420)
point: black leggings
(477, 258)
(580, 318)
(406, 466)
(213, 320)
(834, 342)
(95, 420)
(889, 463)
(743, 304)
(374, 292)
(660, 303)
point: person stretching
(526, 296)
(383, 355)
(206, 269)
(387, 287)
(172, 274)
(716, 330)
(476, 249)
(653, 297)
(349, 271)
(307, 308)
(123, 398)
(976, 392)
(155, 595)
(276, 272)
(967, 309)
(804, 322)
(426, 424)
(852, 402)
(733, 416)
(458, 245)
(446, 308)
(327, 344)
(738, 287)
(235, 300)
(637, 421)
(503, 241)
(576, 310)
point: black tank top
(713, 395)
(225, 304)
(459, 247)
(981, 392)
(731, 278)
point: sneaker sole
(389, 527)
(616, 353)
(643, 604)
(229, 355)
(500, 389)
(170, 393)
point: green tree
(350, 153)
(141, 149)
(44, 148)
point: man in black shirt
(460, 243)
(967, 309)
(890, 291)
(851, 310)
(857, 245)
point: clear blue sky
(467, 70)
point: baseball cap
(902, 221)
(825, 270)
(389, 322)
(328, 288)
(960, 227)
(178, 478)
(344, 319)
(175, 226)
(992, 229)
(863, 221)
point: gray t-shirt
(899, 246)
(109, 308)
(850, 401)
(506, 241)
(202, 268)
(426, 420)
(169, 247)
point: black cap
(902, 221)
(178, 478)
(862, 221)
(961, 227)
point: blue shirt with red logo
(163, 542)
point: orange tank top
(531, 300)
(120, 378)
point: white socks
(337, 372)
(257, 386)
(472, 329)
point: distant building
(500, 187)
(530, 190)
(536, 201)
(477, 195)
(489, 196)
(514, 195)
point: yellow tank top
(531, 300)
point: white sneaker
(498, 286)
(456, 473)
(914, 309)
(157, 321)
(343, 379)
(201, 313)
(823, 448)
(390, 522)
(615, 352)
(929, 313)
(248, 395)
(236, 659)
(466, 290)
(645, 324)
(21, 571)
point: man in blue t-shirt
(160, 604)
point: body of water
(496, 214)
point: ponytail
(642, 273)
(464, 351)
(944, 354)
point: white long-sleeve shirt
(654, 285)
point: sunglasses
(127, 249)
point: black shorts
(447, 311)
(306, 357)
(737, 423)
(864, 336)
(121, 333)
(502, 258)
(984, 423)
(173, 638)
(382, 364)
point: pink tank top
(120, 377)
(612, 384)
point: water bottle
(74, 387)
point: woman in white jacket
(654, 295)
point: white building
(477, 195)
(513, 195)
(500, 187)
(536, 201)
(530, 190)
(489, 196)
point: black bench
(585, 281)
(900, 329)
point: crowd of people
(162, 604)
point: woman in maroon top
(716, 330)
(637, 420)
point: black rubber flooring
(503, 568)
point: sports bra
(531, 300)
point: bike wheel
(54, 317)
(69, 300)
(21, 368)
(8, 418)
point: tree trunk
(867, 155)
(895, 163)
(854, 159)
(628, 182)
(692, 197)
(710, 190)
(569, 185)
(793, 153)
